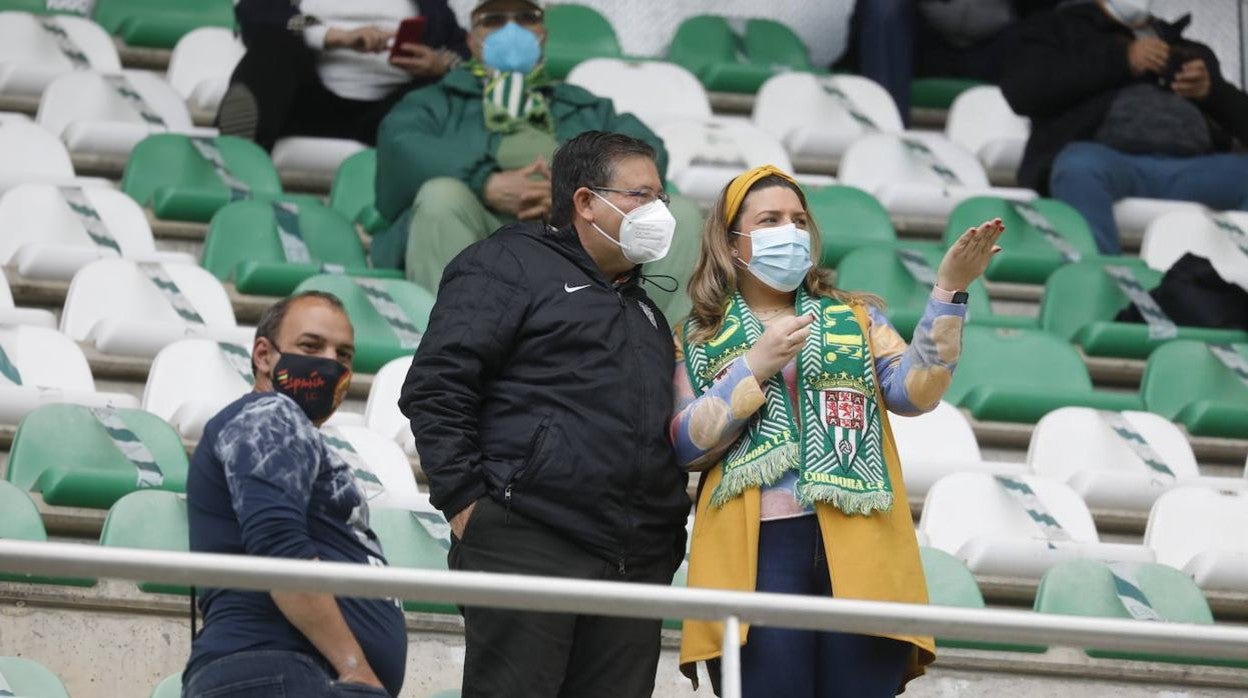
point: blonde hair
(714, 278)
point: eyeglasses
(645, 194)
(497, 20)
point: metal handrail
(625, 599)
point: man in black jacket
(540, 399)
(1121, 106)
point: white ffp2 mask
(645, 233)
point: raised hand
(778, 346)
(967, 259)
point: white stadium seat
(316, 156)
(201, 65)
(381, 412)
(43, 238)
(704, 154)
(13, 117)
(653, 91)
(1133, 216)
(12, 315)
(1174, 234)
(973, 517)
(813, 116)
(1077, 446)
(392, 484)
(190, 381)
(33, 155)
(31, 54)
(981, 121)
(1201, 531)
(114, 305)
(42, 366)
(90, 113)
(908, 181)
(937, 444)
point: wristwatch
(944, 296)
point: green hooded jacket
(439, 131)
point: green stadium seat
(1081, 300)
(166, 173)
(707, 47)
(848, 218)
(150, 520)
(679, 261)
(406, 542)
(1019, 375)
(447, 693)
(376, 342)
(21, 521)
(877, 269)
(65, 453)
(30, 679)
(1185, 383)
(1087, 588)
(171, 687)
(39, 7)
(938, 93)
(244, 246)
(353, 191)
(950, 583)
(775, 46)
(575, 33)
(160, 23)
(1026, 255)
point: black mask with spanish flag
(315, 383)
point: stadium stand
(353, 193)
(34, 156)
(982, 122)
(575, 33)
(389, 315)
(848, 218)
(42, 366)
(160, 23)
(1197, 530)
(200, 68)
(1204, 387)
(36, 50)
(1218, 237)
(10, 314)
(723, 61)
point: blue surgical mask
(512, 49)
(781, 256)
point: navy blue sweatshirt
(263, 482)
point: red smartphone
(411, 31)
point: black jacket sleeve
(1226, 104)
(480, 306)
(1052, 69)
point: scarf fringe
(850, 503)
(762, 471)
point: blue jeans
(271, 674)
(1091, 177)
(806, 663)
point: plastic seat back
(943, 434)
(380, 412)
(21, 521)
(773, 45)
(1187, 521)
(1080, 294)
(730, 145)
(880, 159)
(190, 381)
(161, 23)
(80, 98)
(1026, 256)
(1181, 373)
(31, 154)
(26, 677)
(702, 41)
(1071, 440)
(993, 357)
(575, 33)
(848, 218)
(652, 90)
(414, 540)
(31, 57)
(803, 111)
(149, 520)
(202, 63)
(70, 456)
(375, 339)
(116, 290)
(171, 687)
(165, 169)
(46, 358)
(353, 192)
(380, 466)
(980, 116)
(1171, 235)
(39, 215)
(964, 506)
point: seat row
(138, 23)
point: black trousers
(522, 654)
(280, 70)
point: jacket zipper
(636, 475)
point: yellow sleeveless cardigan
(875, 558)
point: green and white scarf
(513, 99)
(838, 451)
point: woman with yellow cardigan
(783, 386)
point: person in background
(264, 482)
(1121, 105)
(783, 383)
(539, 400)
(458, 159)
(325, 67)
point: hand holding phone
(411, 31)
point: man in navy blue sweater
(263, 482)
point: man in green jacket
(457, 160)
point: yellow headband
(739, 187)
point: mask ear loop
(675, 285)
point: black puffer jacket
(541, 384)
(1069, 65)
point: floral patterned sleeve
(913, 378)
(705, 426)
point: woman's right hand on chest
(778, 346)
